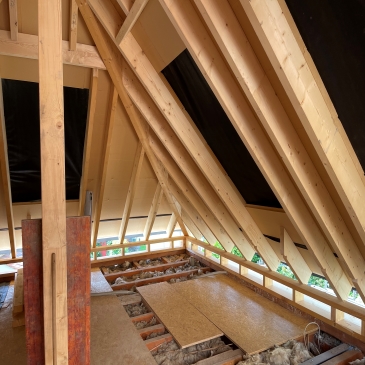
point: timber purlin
(78, 280)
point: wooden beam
(53, 182)
(171, 226)
(181, 126)
(93, 91)
(13, 17)
(74, 13)
(5, 177)
(99, 194)
(131, 19)
(213, 67)
(137, 167)
(262, 97)
(18, 301)
(153, 211)
(27, 47)
(282, 49)
(293, 258)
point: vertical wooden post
(53, 182)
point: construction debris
(358, 362)
(291, 353)
(170, 353)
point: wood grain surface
(186, 324)
(252, 322)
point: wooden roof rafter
(13, 16)
(74, 14)
(263, 99)
(99, 193)
(156, 201)
(137, 168)
(148, 76)
(292, 69)
(213, 67)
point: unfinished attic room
(182, 182)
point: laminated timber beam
(104, 165)
(263, 99)
(13, 16)
(131, 19)
(93, 91)
(27, 47)
(137, 168)
(194, 230)
(167, 105)
(293, 257)
(156, 201)
(286, 57)
(212, 65)
(53, 182)
(5, 177)
(74, 14)
(114, 61)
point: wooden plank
(259, 317)
(53, 182)
(113, 276)
(157, 279)
(155, 342)
(13, 17)
(286, 57)
(263, 99)
(179, 123)
(27, 47)
(157, 328)
(181, 319)
(114, 336)
(18, 319)
(5, 176)
(153, 211)
(171, 226)
(74, 11)
(93, 91)
(137, 167)
(142, 317)
(78, 290)
(18, 300)
(325, 356)
(131, 19)
(143, 256)
(225, 358)
(130, 299)
(293, 258)
(33, 290)
(345, 358)
(104, 165)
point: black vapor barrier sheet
(205, 110)
(21, 108)
(334, 33)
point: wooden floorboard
(186, 324)
(252, 322)
(114, 338)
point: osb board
(114, 338)
(185, 323)
(251, 321)
(99, 283)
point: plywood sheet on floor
(114, 338)
(98, 282)
(251, 321)
(185, 323)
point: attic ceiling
(254, 60)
